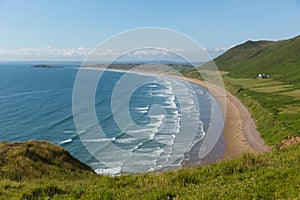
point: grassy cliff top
(37, 159)
(40, 170)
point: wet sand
(240, 134)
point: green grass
(274, 175)
(33, 159)
(278, 59)
(294, 93)
(272, 109)
(274, 102)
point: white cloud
(220, 49)
(44, 52)
(53, 53)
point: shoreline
(240, 133)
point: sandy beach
(240, 132)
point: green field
(273, 105)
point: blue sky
(215, 24)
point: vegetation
(37, 159)
(158, 66)
(273, 102)
(39, 170)
(279, 59)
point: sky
(69, 29)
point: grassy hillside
(45, 171)
(274, 102)
(37, 159)
(280, 59)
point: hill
(40, 170)
(37, 159)
(273, 102)
(280, 59)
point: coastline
(240, 134)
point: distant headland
(46, 66)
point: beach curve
(240, 131)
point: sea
(38, 104)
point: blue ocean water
(36, 103)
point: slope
(273, 102)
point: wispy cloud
(220, 49)
(53, 53)
(217, 51)
(46, 51)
